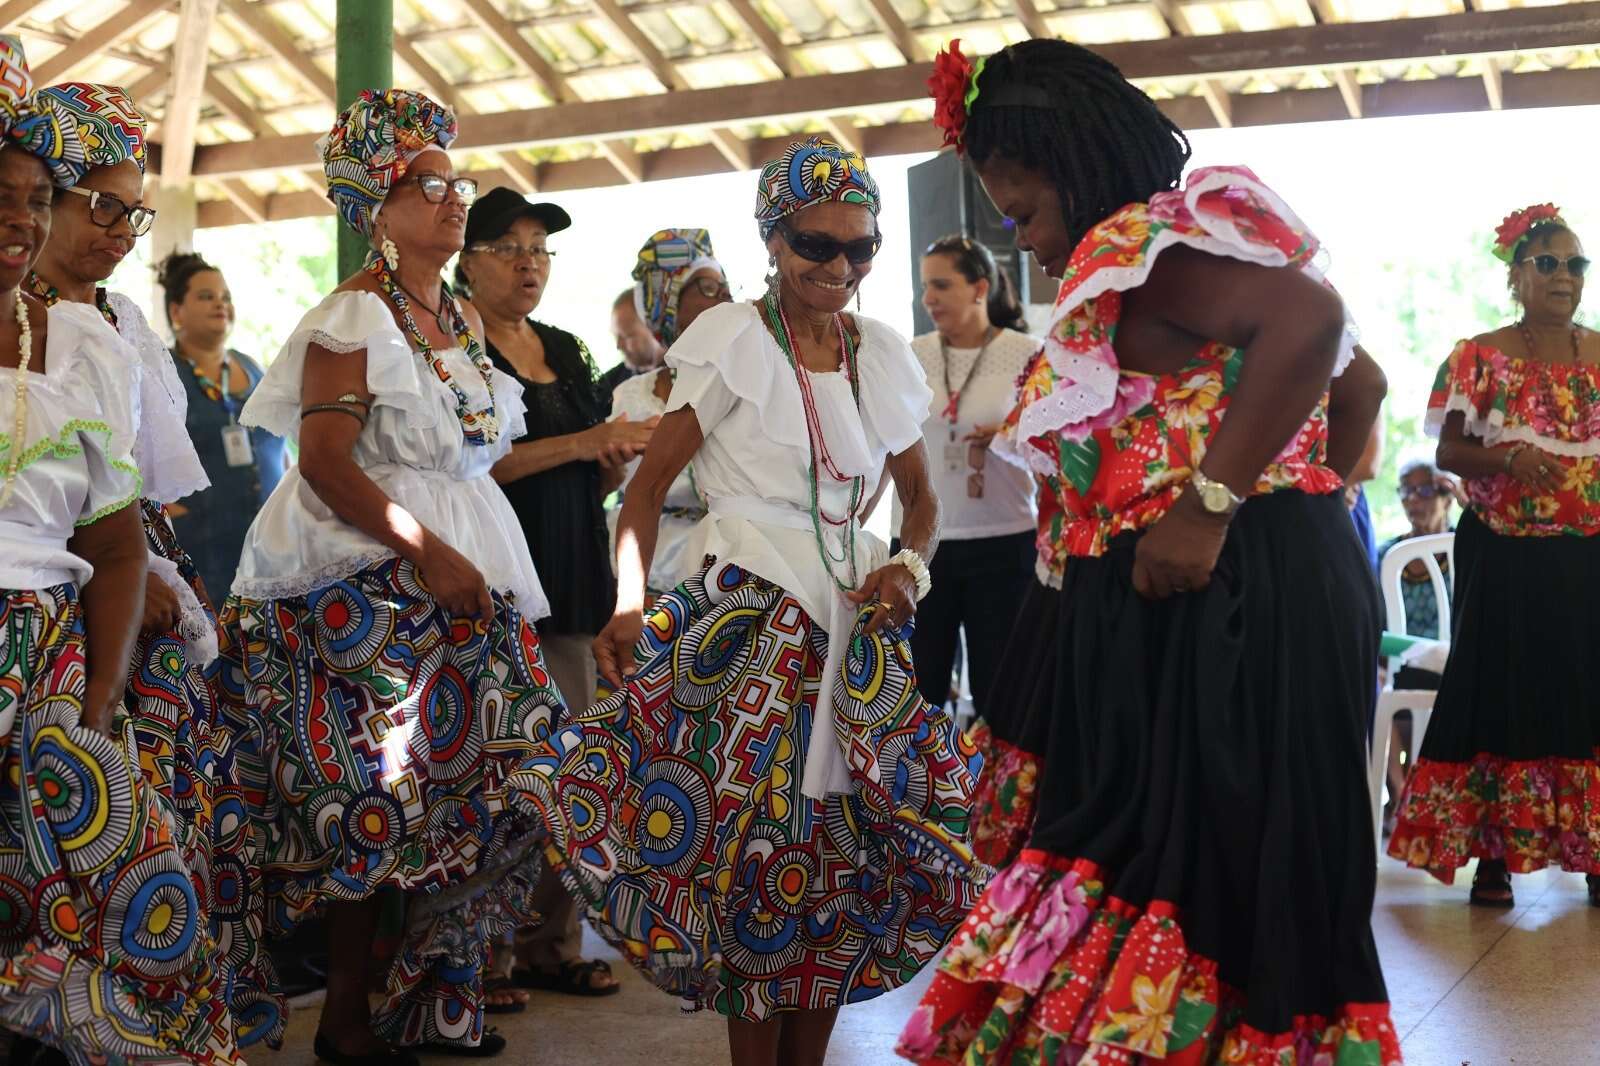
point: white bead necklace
(20, 428)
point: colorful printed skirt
(1201, 752)
(677, 818)
(104, 950)
(389, 746)
(1510, 765)
(189, 762)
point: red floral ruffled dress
(1058, 963)
(1510, 764)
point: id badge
(955, 456)
(236, 445)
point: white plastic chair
(1392, 701)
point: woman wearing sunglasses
(766, 818)
(379, 640)
(1506, 768)
(676, 278)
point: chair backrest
(1402, 555)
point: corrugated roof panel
(706, 26)
(1090, 26)
(854, 15)
(614, 85)
(663, 31)
(805, 16)
(576, 43)
(713, 73)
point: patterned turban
(371, 145)
(666, 263)
(34, 124)
(812, 171)
(111, 128)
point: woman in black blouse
(557, 475)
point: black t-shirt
(560, 508)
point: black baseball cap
(492, 214)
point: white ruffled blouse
(754, 468)
(412, 448)
(77, 451)
(675, 559)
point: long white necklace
(20, 428)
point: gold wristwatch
(1215, 497)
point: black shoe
(490, 1046)
(391, 1057)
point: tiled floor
(1470, 987)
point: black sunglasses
(819, 248)
(1577, 266)
(1421, 492)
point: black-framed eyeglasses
(1576, 266)
(435, 188)
(713, 289)
(820, 248)
(511, 251)
(106, 211)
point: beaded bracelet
(1512, 453)
(919, 571)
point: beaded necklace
(18, 438)
(478, 427)
(778, 322)
(51, 296)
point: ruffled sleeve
(895, 398)
(725, 356)
(102, 385)
(1475, 381)
(166, 456)
(1223, 211)
(347, 322)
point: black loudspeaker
(945, 198)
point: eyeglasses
(819, 248)
(1577, 266)
(435, 188)
(1419, 492)
(511, 251)
(712, 289)
(106, 211)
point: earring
(772, 274)
(391, 254)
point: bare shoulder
(1507, 339)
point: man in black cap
(556, 477)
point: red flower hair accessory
(954, 87)
(1510, 232)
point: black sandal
(391, 1057)
(1488, 881)
(495, 986)
(574, 978)
(1593, 881)
(488, 1047)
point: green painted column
(364, 59)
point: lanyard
(952, 407)
(227, 399)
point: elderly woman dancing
(767, 819)
(379, 639)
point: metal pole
(364, 59)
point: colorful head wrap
(111, 128)
(373, 142)
(33, 124)
(812, 171)
(1514, 229)
(666, 263)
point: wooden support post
(364, 33)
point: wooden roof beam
(843, 132)
(622, 156)
(506, 34)
(253, 206)
(766, 37)
(732, 147)
(663, 69)
(190, 50)
(520, 171)
(1218, 100)
(236, 109)
(272, 36)
(1032, 20)
(1344, 79)
(895, 26)
(1494, 87)
(129, 20)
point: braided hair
(1058, 108)
(976, 263)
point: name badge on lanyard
(235, 438)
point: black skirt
(1203, 779)
(1509, 767)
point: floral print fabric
(1003, 802)
(1555, 407)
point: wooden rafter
(272, 36)
(1494, 86)
(619, 19)
(895, 26)
(14, 11)
(732, 147)
(1212, 91)
(844, 132)
(130, 19)
(622, 156)
(766, 37)
(228, 102)
(253, 206)
(1032, 20)
(508, 36)
(1344, 79)
(185, 93)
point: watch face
(1215, 497)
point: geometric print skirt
(104, 950)
(390, 743)
(677, 819)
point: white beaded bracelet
(919, 571)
